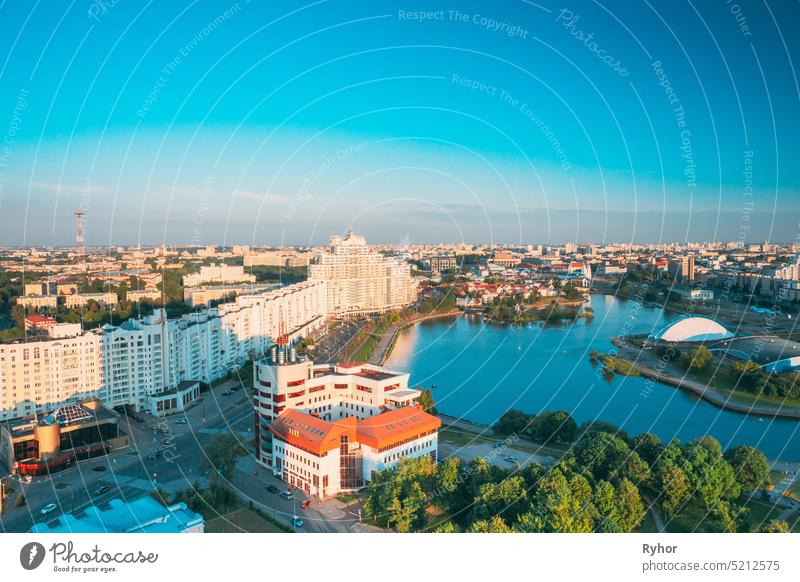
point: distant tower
(79, 231)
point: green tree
(447, 481)
(776, 526)
(605, 501)
(751, 374)
(558, 426)
(607, 456)
(699, 358)
(559, 511)
(408, 514)
(630, 509)
(446, 527)
(512, 422)
(648, 446)
(427, 402)
(221, 455)
(750, 467)
(507, 498)
(710, 476)
(495, 525)
(673, 489)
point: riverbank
(384, 349)
(634, 358)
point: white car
(48, 508)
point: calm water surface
(481, 370)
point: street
(133, 472)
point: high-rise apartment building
(360, 280)
(681, 269)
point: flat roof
(761, 349)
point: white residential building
(360, 280)
(219, 273)
(125, 364)
(38, 375)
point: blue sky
(508, 121)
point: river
(482, 369)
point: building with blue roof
(142, 515)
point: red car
(306, 504)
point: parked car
(287, 494)
(101, 490)
(511, 459)
(181, 421)
(48, 508)
(298, 522)
(272, 489)
(100, 468)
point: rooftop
(383, 430)
(142, 515)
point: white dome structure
(692, 328)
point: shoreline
(402, 326)
(719, 399)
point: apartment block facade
(125, 364)
(360, 280)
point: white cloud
(260, 196)
(70, 189)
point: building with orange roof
(327, 428)
(326, 458)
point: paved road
(73, 489)
(132, 473)
(335, 345)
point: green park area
(601, 481)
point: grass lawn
(346, 497)
(364, 351)
(723, 378)
(463, 438)
(761, 513)
(693, 518)
(618, 365)
(241, 520)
